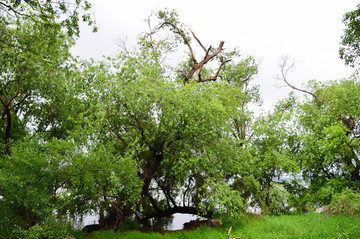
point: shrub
(347, 202)
(51, 228)
(279, 198)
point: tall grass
(295, 226)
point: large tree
(184, 127)
(32, 57)
(38, 101)
(327, 126)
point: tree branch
(213, 78)
(284, 73)
(22, 100)
(196, 65)
(202, 46)
(181, 34)
(17, 12)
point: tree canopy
(67, 13)
(349, 50)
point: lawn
(310, 225)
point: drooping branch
(166, 190)
(17, 13)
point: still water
(177, 222)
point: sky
(307, 31)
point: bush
(347, 202)
(279, 198)
(51, 228)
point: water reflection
(173, 223)
(179, 220)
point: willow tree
(179, 123)
(37, 102)
(328, 133)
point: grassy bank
(299, 226)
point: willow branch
(17, 12)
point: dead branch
(206, 59)
(228, 236)
(179, 32)
(198, 66)
(348, 122)
(202, 46)
(284, 68)
(213, 78)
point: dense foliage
(349, 50)
(67, 13)
(133, 137)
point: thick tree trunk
(8, 125)
(7, 128)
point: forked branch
(197, 65)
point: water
(176, 222)
(179, 220)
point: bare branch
(202, 46)
(182, 72)
(348, 123)
(180, 33)
(214, 78)
(284, 72)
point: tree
(328, 136)
(31, 57)
(51, 169)
(43, 11)
(268, 162)
(37, 102)
(335, 130)
(350, 51)
(182, 123)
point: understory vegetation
(135, 138)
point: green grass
(296, 226)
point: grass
(287, 226)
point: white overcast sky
(308, 31)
